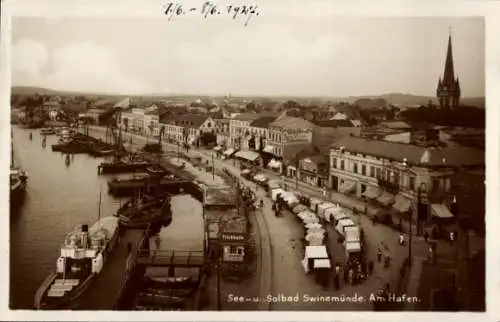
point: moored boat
(120, 166)
(83, 256)
(47, 131)
(18, 183)
(139, 214)
(173, 282)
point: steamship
(82, 258)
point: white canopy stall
(331, 212)
(342, 224)
(299, 208)
(322, 207)
(313, 253)
(276, 192)
(314, 202)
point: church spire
(449, 73)
(448, 89)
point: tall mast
(11, 148)
(99, 212)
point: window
(372, 171)
(334, 163)
(342, 164)
(412, 183)
(379, 173)
(363, 188)
(436, 184)
(355, 168)
(363, 170)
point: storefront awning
(268, 149)
(247, 155)
(441, 211)
(402, 204)
(371, 193)
(386, 199)
(229, 152)
(347, 187)
(217, 148)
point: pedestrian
(336, 282)
(401, 239)
(452, 237)
(337, 269)
(346, 275)
(430, 255)
(351, 276)
(379, 255)
(366, 210)
(426, 236)
(370, 267)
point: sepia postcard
(223, 160)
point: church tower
(448, 89)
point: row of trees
(464, 116)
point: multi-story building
(258, 133)
(395, 173)
(286, 136)
(239, 128)
(187, 128)
(222, 131)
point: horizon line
(305, 96)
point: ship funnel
(85, 233)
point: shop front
(234, 254)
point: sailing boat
(18, 178)
(118, 165)
(83, 256)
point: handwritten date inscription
(210, 9)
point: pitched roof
(186, 120)
(449, 156)
(263, 121)
(123, 103)
(395, 124)
(247, 117)
(334, 123)
(289, 122)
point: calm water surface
(59, 198)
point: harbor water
(59, 197)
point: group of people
(354, 272)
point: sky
(300, 56)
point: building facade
(239, 129)
(395, 173)
(286, 136)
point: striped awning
(441, 211)
(402, 204)
(347, 187)
(386, 198)
(372, 193)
